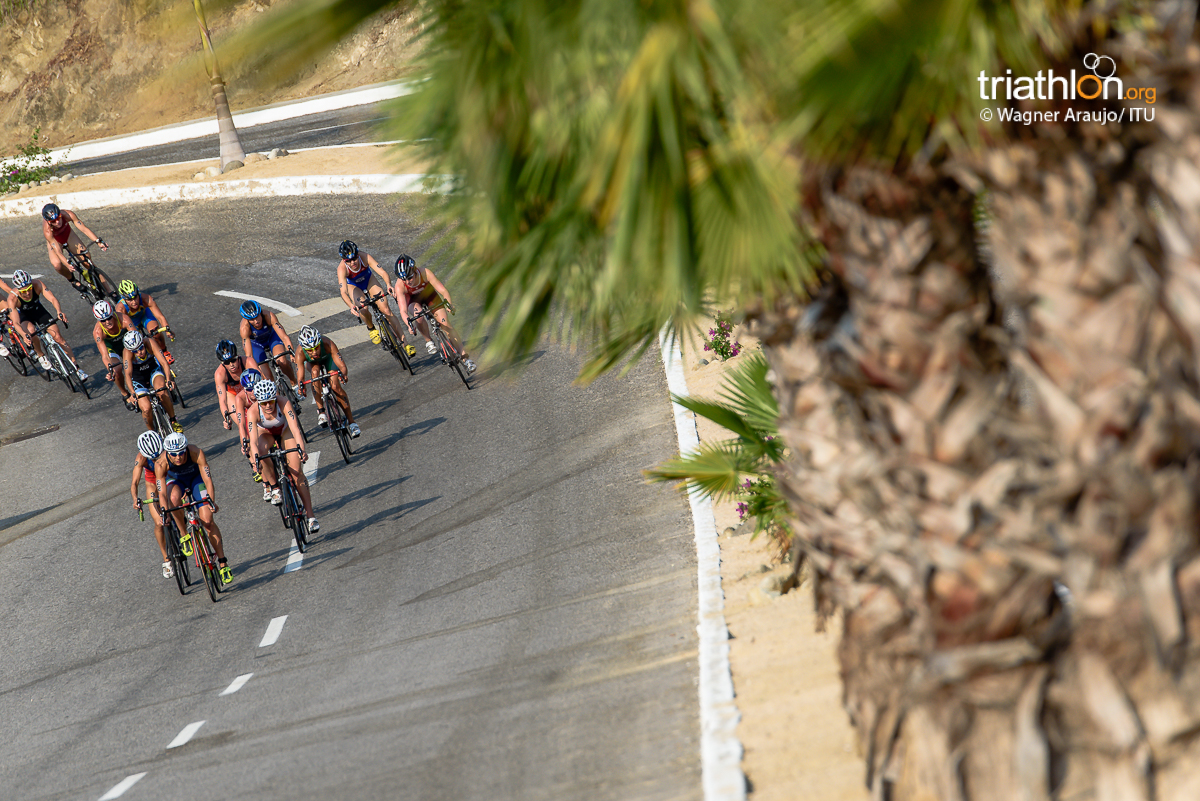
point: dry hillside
(85, 69)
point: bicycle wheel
(15, 359)
(394, 347)
(174, 556)
(105, 285)
(72, 375)
(176, 392)
(337, 424)
(299, 522)
(162, 423)
(284, 512)
(208, 565)
(59, 364)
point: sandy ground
(797, 738)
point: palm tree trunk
(994, 463)
(231, 145)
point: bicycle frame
(158, 412)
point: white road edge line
(119, 789)
(720, 750)
(290, 311)
(274, 628)
(237, 684)
(310, 467)
(187, 733)
(295, 559)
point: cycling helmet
(50, 212)
(102, 310)
(250, 310)
(175, 443)
(226, 350)
(265, 391)
(405, 267)
(134, 340)
(348, 250)
(150, 444)
(21, 279)
(309, 337)
(250, 378)
(127, 289)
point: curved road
(496, 607)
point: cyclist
(25, 301)
(359, 275)
(150, 445)
(109, 336)
(144, 313)
(416, 288)
(263, 335)
(232, 379)
(146, 367)
(273, 423)
(323, 356)
(5, 291)
(56, 227)
(185, 469)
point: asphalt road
(496, 607)
(347, 126)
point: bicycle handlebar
(200, 502)
(271, 454)
(321, 377)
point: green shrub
(32, 163)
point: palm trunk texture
(994, 435)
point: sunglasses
(229, 361)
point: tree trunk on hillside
(231, 145)
(994, 462)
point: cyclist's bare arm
(336, 354)
(344, 289)
(74, 218)
(377, 271)
(437, 285)
(48, 295)
(294, 425)
(137, 477)
(157, 312)
(206, 474)
(273, 320)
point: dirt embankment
(82, 70)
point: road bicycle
(61, 365)
(388, 339)
(93, 283)
(449, 354)
(158, 415)
(334, 414)
(292, 508)
(176, 553)
(202, 547)
(22, 358)
(280, 378)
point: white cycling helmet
(150, 444)
(21, 279)
(175, 443)
(265, 391)
(309, 337)
(134, 340)
(102, 310)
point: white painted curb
(378, 184)
(720, 750)
(245, 119)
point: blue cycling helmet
(251, 309)
(250, 378)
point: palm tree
(231, 145)
(991, 402)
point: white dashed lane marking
(273, 631)
(290, 311)
(185, 735)
(119, 790)
(238, 684)
(295, 559)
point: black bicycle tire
(220, 585)
(64, 372)
(281, 481)
(208, 565)
(113, 296)
(18, 350)
(171, 536)
(16, 361)
(300, 523)
(462, 373)
(73, 375)
(177, 394)
(162, 423)
(337, 424)
(182, 576)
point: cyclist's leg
(58, 261)
(381, 292)
(75, 243)
(422, 327)
(339, 392)
(28, 327)
(143, 403)
(266, 466)
(174, 494)
(297, 474)
(357, 297)
(160, 386)
(451, 334)
(284, 362)
(205, 513)
(159, 533)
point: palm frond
(714, 470)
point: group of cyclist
(129, 336)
